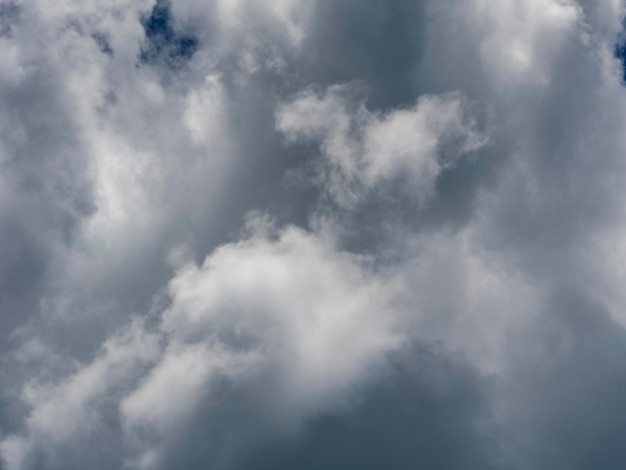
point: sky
(312, 234)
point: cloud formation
(364, 150)
(287, 234)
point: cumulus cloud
(281, 304)
(364, 149)
(289, 234)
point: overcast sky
(312, 234)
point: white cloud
(284, 303)
(295, 299)
(63, 414)
(365, 149)
(522, 37)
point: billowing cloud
(278, 304)
(286, 234)
(364, 150)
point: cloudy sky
(312, 234)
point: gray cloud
(311, 234)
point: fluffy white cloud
(521, 38)
(295, 298)
(66, 413)
(365, 149)
(284, 303)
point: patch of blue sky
(163, 42)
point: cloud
(342, 233)
(65, 418)
(364, 149)
(277, 303)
